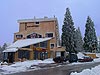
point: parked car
(85, 59)
(60, 59)
(72, 57)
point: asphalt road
(64, 69)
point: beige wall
(43, 27)
(26, 28)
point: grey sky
(12, 10)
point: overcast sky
(12, 10)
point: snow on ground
(24, 66)
(98, 54)
(93, 71)
(27, 65)
(97, 60)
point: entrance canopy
(24, 42)
(10, 50)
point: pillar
(48, 48)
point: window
(49, 34)
(43, 44)
(19, 36)
(34, 35)
(52, 46)
(26, 46)
(23, 54)
(36, 45)
(36, 22)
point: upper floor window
(49, 34)
(34, 35)
(19, 36)
(51, 46)
(37, 23)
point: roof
(11, 50)
(37, 19)
(24, 42)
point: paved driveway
(64, 69)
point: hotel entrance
(9, 57)
(40, 53)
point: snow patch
(93, 71)
(24, 66)
(97, 60)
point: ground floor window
(9, 57)
(23, 54)
(58, 53)
(40, 55)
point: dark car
(85, 59)
(60, 59)
(72, 57)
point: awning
(24, 42)
(27, 42)
(10, 50)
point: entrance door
(62, 53)
(10, 57)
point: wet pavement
(59, 69)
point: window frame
(52, 44)
(49, 33)
(19, 36)
(37, 23)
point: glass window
(52, 45)
(36, 54)
(49, 34)
(34, 35)
(26, 46)
(36, 45)
(19, 36)
(43, 44)
(23, 54)
(36, 22)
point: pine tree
(98, 48)
(78, 40)
(90, 39)
(1, 53)
(4, 46)
(2, 49)
(68, 32)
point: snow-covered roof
(24, 42)
(10, 50)
(37, 19)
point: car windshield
(87, 57)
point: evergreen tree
(98, 48)
(78, 40)
(2, 49)
(4, 46)
(90, 39)
(68, 32)
(0, 53)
